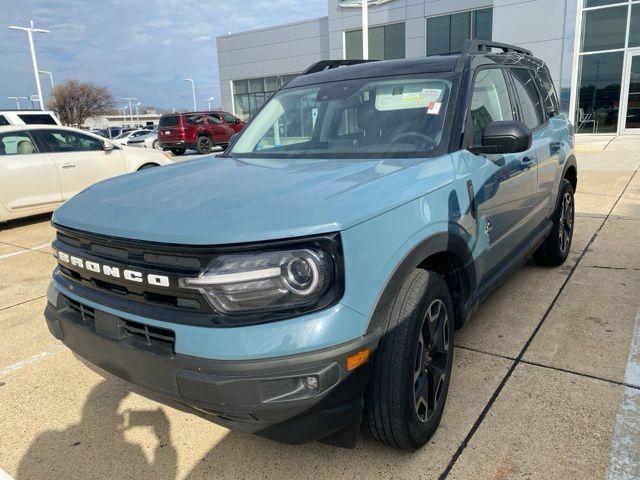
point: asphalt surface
(546, 380)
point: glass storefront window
(604, 29)
(599, 93)
(447, 33)
(600, 3)
(250, 94)
(634, 32)
(386, 42)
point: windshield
(377, 117)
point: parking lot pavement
(546, 379)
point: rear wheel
(178, 151)
(555, 249)
(204, 145)
(412, 364)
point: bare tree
(75, 101)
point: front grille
(142, 257)
(151, 335)
(87, 314)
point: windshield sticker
(434, 108)
(390, 97)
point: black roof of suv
(474, 53)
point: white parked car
(123, 138)
(146, 141)
(42, 166)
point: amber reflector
(356, 359)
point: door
(219, 129)
(504, 186)
(545, 145)
(28, 176)
(81, 160)
(631, 91)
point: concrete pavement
(546, 380)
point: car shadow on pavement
(25, 222)
(99, 446)
(96, 447)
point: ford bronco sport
(313, 276)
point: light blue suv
(313, 276)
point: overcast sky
(140, 49)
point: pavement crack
(527, 344)
(21, 303)
(581, 374)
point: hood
(213, 200)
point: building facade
(592, 48)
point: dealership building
(592, 48)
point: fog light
(311, 383)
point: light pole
(124, 109)
(33, 98)
(30, 30)
(209, 100)
(17, 99)
(138, 113)
(193, 92)
(364, 4)
(130, 107)
(50, 76)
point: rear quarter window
(3, 120)
(37, 119)
(169, 121)
(549, 96)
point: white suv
(42, 166)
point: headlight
(256, 282)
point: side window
(550, 99)
(214, 119)
(16, 143)
(528, 98)
(3, 120)
(37, 119)
(490, 101)
(195, 119)
(65, 141)
(229, 118)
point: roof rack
(323, 65)
(483, 46)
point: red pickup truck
(199, 131)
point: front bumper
(267, 397)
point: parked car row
(42, 166)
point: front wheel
(204, 145)
(178, 151)
(555, 249)
(412, 365)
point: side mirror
(504, 137)
(108, 146)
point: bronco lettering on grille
(114, 272)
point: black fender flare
(451, 243)
(570, 163)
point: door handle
(527, 161)
(69, 165)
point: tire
(396, 412)
(204, 145)
(156, 145)
(178, 151)
(555, 249)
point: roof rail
(323, 65)
(483, 46)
